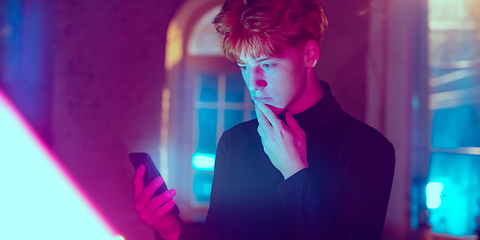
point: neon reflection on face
(276, 81)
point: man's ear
(311, 54)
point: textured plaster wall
(342, 60)
(108, 74)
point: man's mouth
(262, 99)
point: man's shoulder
(242, 130)
(363, 144)
(243, 127)
(241, 136)
(364, 134)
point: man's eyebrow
(256, 60)
(263, 59)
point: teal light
(458, 175)
(434, 192)
(202, 187)
(203, 161)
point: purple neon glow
(39, 198)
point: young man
(304, 169)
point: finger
(270, 115)
(159, 200)
(262, 120)
(261, 132)
(155, 203)
(293, 124)
(162, 211)
(147, 193)
(138, 181)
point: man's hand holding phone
(154, 210)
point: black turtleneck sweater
(343, 194)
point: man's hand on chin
(284, 143)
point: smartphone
(151, 172)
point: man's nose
(256, 79)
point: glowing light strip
(451, 77)
(455, 64)
(452, 98)
(174, 49)
(203, 161)
(434, 193)
(463, 150)
(39, 199)
(452, 25)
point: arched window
(207, 95)
(204, 39)
(221, 101)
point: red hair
(268, 27)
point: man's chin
(275, 109)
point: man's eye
(243, 68)
(267, 65)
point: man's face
(278, 81)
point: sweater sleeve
(360, 209)
(214, 227)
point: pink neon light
(40, 200)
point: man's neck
(312, 94)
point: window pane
(456, 127)
(232, 118)
(253, 114)
(235, 88)
(208, 87)
(454, 53)
(454, 205)
(207, 119)
(455, 78)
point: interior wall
(25, 64)
(393, 66)
(108, 75)
(342, 60)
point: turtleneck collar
(325, 110)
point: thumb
(293, 124)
